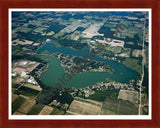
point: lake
(55, 71)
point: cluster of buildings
(89, 90)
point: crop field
(34, 87)
(133, 64)
(39, 29)
(70, 28)
(46, 110)
(92, 30)
(57, 111)
(14, 97)
(119, 107)
(17, 103)
(89, 101)
(26, 106)
(83, 108)
(35, 110)
(58, 35)
(25, 29)
(74, 24)
(17, 41)
(70, 113)
(36, 22)
(131, 96)
(107, 112)
(28, 91)
(18, 113)
(17, 80)
(50, 33)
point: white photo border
(80, 117)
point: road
(140, 90)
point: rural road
(139, 110)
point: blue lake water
(55, 72)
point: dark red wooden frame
(6, 4)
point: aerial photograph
(79, 62)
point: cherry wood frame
(6, 4)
